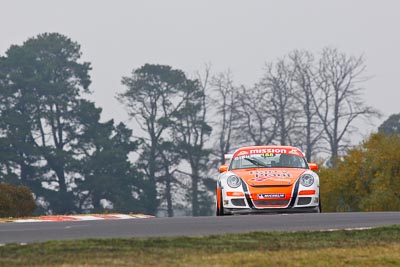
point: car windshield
(270, 161)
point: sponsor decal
(266, 196)
(242, 153)
(242, 157)
(276, 175)
(268, 150)
(270, 173)
(268, 155)
(294, 152)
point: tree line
(53, 141)
(366, 178)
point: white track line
(61, 218)
(346, 229)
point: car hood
(269, 177)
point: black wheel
(319, 205)
(220, 209)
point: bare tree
(258, 124)
(310, 129)
(278, 84)
(338, 101)
(224, 99)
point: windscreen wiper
(256, 162)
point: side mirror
(223, 168)
(313, 166)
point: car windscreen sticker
(242, 153)
(266, 155)
(265, 152)
(268, 150)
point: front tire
(220, 207)
(319, 210)
(319, 207)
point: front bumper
(269, 199)
(314, 209)
(296, 204)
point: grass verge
(373, 247)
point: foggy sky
(118, 36)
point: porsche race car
(274, 179)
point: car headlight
(306, 180)
(234, 181)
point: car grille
(304, 200)
(274, 202)
(238, 202)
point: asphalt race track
(28, 232)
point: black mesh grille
(264, 203)
(238, 202)
(304, 200)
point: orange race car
(267, 179)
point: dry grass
(374, 247)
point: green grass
(373, 247)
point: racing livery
(267, 179)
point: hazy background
(117, 36)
